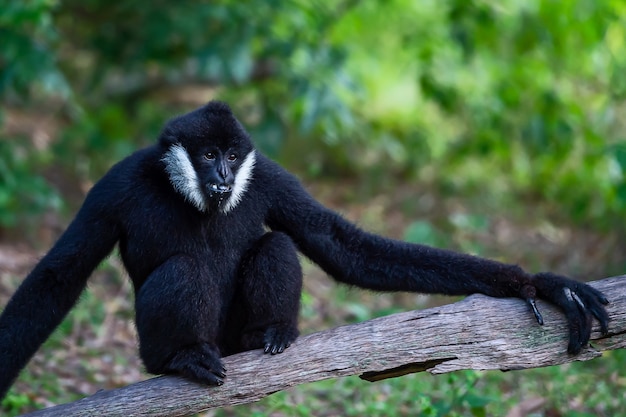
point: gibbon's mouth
(220, 188)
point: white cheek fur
(183, 176)
(242, 180)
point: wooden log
(477, 333)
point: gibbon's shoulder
(267, 171)
(134, 175)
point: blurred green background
(492, 127)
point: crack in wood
(422, 316)
(408, 368)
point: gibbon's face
(209, 157)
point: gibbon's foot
(199, 363)
(278, 337)
(579, 302)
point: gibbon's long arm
(53, 287)
(366, 260)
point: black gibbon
(208, 229)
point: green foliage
(23, 193)
(28, 56)
(13, 403)
(506, 96)
(259, 62)
(27, 68)
(89, 147)
(515, 97)
(424, 233)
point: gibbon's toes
(278, 338)
(205, 376)
(200, 363)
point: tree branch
(477, 333)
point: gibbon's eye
(232, 157)
(209, 156)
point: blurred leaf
(470, 222)
(423, 233)
(23, 193)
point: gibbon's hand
(580, 303)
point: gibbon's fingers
(585, 303)
(595, 302)
(579, 327)
(579, 302)
(600, 314)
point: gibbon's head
(208, 157)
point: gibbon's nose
(223, 170)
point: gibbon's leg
(271, 284)
(177, 318)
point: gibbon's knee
(272, 279)
(272, 258)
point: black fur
(210, 280)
